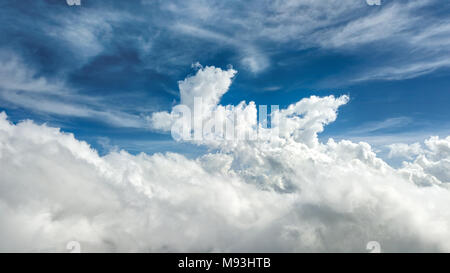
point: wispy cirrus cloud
(22, 86)
(377, 126)
(406, 34)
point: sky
(98, 69)
(94, 87)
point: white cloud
(301, 121)
(407, 70)
(209, 83)
(290, 193)
(408, 151)
(431, 163)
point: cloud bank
(286, 193)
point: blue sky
(99, 69)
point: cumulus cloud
(301, 121)
(404, 150)
(431, 163)
(289, 192)
(210, 83)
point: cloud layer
(286, 193)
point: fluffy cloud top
(210, 83)
(287, 193)
(299, 122)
